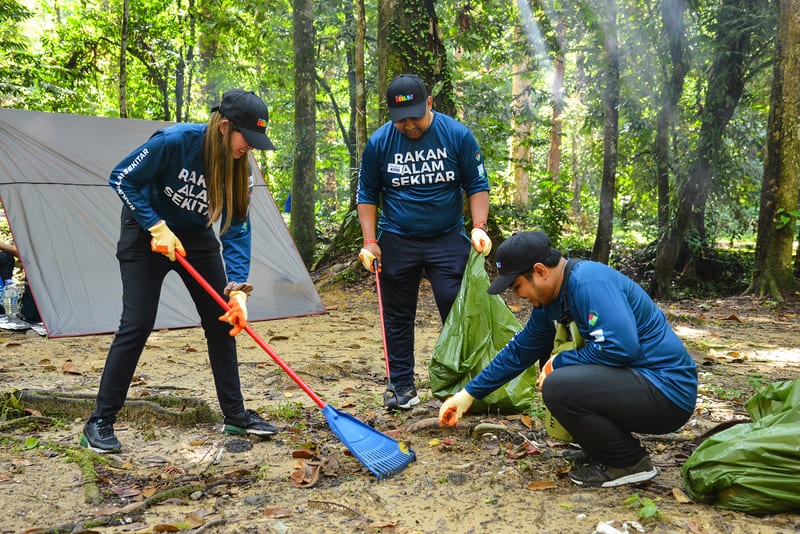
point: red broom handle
(380, 309)
(211, 291)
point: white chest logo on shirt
(420, 167)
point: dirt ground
(509, 478)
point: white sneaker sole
(413, 401)
(630, 479)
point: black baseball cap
(406, 97)
(517, 255)
(250, 115)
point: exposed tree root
(168, 410)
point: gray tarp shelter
(64, 216)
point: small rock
(456, 478)
(256, 500)
(238, 445)
(584, 498)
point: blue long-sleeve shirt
(421, 180)
(622, 327)
(164, 180)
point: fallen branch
(331, 503)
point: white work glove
(164, 241)
(237, 315)
(454, 407)
(481, 241)
(367, 259)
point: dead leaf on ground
(193, 520)
(69, 368)
(695, 527)
(539, 485)
(680, 496)
(304, 453)
(732, 317)
(276, 513)
(305, 475)
(164, 527)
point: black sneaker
(248, 422)
(599, 475)
(98, 436)
(576, 457)
(405, 398)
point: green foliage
(10, 407)
(647, 508)
(64, 56)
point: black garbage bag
(752, 467)
(478, 326)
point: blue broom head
(378, 452)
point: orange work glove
(164, 241)
(546, 370)
(237, 315)
(454, 407)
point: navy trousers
(444, 259)
(143, 273)
(601, 405)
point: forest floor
(511, 479)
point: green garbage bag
(478, 326)
(752, 467)
(567, 337)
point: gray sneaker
(248, 422)
(98, 436)
(603, 476)
(405, 398)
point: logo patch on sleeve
(597, 335)
(592, 317)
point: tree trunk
(577, 160)
(410, 42)
(672, 12)
(521, 121)
(554, 153)
(190, 63)
(123, 71)
(772, 272)
(208, 45)
(360, 110)
(605, 225)
(725, 87)
(303, 225)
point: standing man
(418, 165)
(633, 374)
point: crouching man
(632, 375)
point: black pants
(6, 266)
(600, 406)
(143, 273)
(444, 259)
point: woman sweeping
(173, 188)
